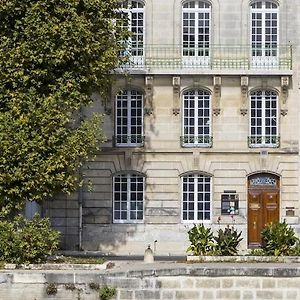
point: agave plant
(278, 239)
(201, 239)
(227, 241)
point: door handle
(254, 225)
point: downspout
(80, 198)
(80, 202)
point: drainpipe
(80, 201)
(80, 197)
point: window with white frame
(196, 198)
(264, 32)
(196, 29)
(263, 119)
(129, 119)
(128, 198)
(196, 119)
(133, 11)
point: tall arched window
(134, 12)
(196, 30)
(263, 119)
(129, 119)
(196, 119)
(264, 33)
(128, 198)
(196, 198)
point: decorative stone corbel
(244, 91)
(217, 82)
(176, 94)
(176, 111)
(148, 110)
(284, 94)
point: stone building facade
(203, 128)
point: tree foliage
(53, 55)
(24, 241)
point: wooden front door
(263, 205)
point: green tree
(53, 55)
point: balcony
(237, 59)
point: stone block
(292, 295)
(187, 295)
(228, 294)
(269, 294)
(268, 283)
(288, 282)
(172, 272)
(150, 283)
(62, 278)
(147, 294)
(248, 295)
(85, 278)
(5, 278)
(227, 283)
(159, 211)
(124, 283)
(207, 295)
(187, 283)
(125, 295)
(29, 277)
(205, 282)
(248, 283)
(169, 283)
(167, 295)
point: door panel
(263, 208)
(255, 217)
(271, 207)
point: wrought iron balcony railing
(213, 57)
(196, 141)
(255, 141)
(125, 140)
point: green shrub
(94, 286)
(257, 252)
(107, 292)
(201, 239)
(27, 241)
(295, 251)
(203, 242)
(278, 239)
(51, 289)
(227, 241)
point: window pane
(195, 200)
(128, 197)
(129, 118)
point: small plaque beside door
(229, 204)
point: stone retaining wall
(169, 281)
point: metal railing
(125, 140)
(196, 141)
(213, 57)
(263, 141)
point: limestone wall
(169, 282)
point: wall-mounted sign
(230, 203)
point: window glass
(128, 198)
(196, 198)
(129, 118)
